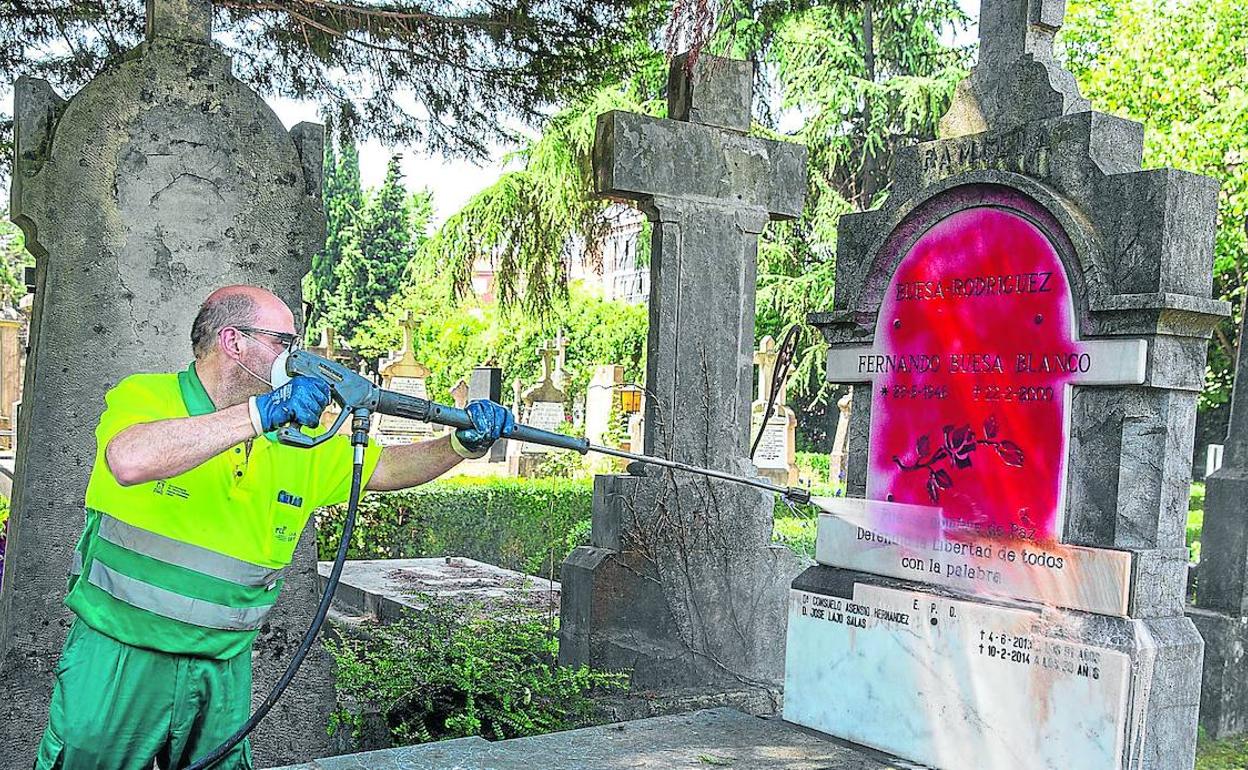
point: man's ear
(230, 340)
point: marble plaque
(953, 684)
(773, 449)
(408, 386)
(1078, 578)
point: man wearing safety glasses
(193, 511)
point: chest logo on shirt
(172, 490)
(287, 498)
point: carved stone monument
(681, 583)
(403, 373)
(162, 179)
(543, 406)
(1026, 320)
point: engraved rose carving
(957, 445)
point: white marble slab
(1074, 577)
(953, 685)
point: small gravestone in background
(681, 582)
(544, 406)
(486, 382)
(161, 180)
(776, 456)
(600, 400)
(1026, 319)
(1221, 603)
(459, 393)
(404, 374)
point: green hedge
(522, 524)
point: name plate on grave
(1074, 577)
(773, 449)
(544, 415)
(953, 684)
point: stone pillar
(840, 441)
(162, 179)
(681, 583)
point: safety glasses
(289, 341)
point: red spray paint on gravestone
(976, 348)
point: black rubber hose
(309, 638)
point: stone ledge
(694, 741)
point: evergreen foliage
(440, 74)
(1179, 68)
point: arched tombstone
(1025, 322)
(163, 178)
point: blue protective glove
(490, 422)
(299, 401)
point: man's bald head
(238, 305)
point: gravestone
(162, 179)
(487, 382)
(543, 406)
(776, 455)
(601, 398)
(1221, 603)
(404, 374)
(681, 583)
(1025, 321)
(10, 373)
(459, 393)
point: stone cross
(184, 20)
(709, 188)
(548, 352)
(1010, 29)
(1016, 79)
(561, 342)
(682, 582)
(765, 360)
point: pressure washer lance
(358, 399)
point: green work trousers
(117, 707)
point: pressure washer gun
(355, 393)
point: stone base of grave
(713, 617)
(715, 737)
(1224, 692)
(383, 589)
(883, 662)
